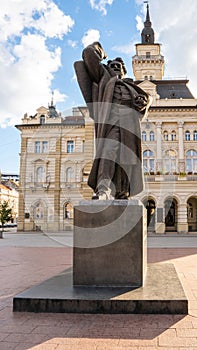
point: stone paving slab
(162, 293)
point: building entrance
(171, 215)
(192, 214)
(150, 207)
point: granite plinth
(162, 293)
(110, 243)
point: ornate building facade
(56, 156)
(57, 153)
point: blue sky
(41, 39)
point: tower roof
(52, 113)
(148, 35)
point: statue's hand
(99, 50)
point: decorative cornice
(46, 126)
(173, 108)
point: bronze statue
(116, 104)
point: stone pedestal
(109, 268)
(110, 243)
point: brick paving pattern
(23, 267)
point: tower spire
(147, 14)
(148, 35)
(52, 94)
(148, 63)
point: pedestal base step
(161, 294)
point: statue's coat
(97, 82)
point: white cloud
(90, 36)
(175, 28)
(140, 24)
(61, 23)
(27, 64)
(127, 49)
(72, 43)
(100, 5)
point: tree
(5, 214)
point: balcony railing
(169, 177)
(151, 57)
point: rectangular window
(189, 165)
(41, 147)
(70, 146)
(195, 165)
(44, 146)
(37, 147)
(152, 164)
(147, 54)
(145, 165)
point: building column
(182, 224)
(21, 200)
(159, 147)
(160, 220)
(88, 153)
(181, 161)
(57, 184)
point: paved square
(24, 264)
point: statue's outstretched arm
(93, 55)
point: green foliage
(5, 213)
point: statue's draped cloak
(97, 84)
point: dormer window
(42, 119)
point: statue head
(118, 66)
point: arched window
(143, 135)
(195, 135)
(173, 135)
(191, 161)
(148, 161)
(40, 174)
(165, 136)
(187, 135)
(68, 211)
(152, 136)
(170, 162)
(38, 211)
(70, 174)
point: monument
(110, 237)
(110, 273)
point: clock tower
(148, 63)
